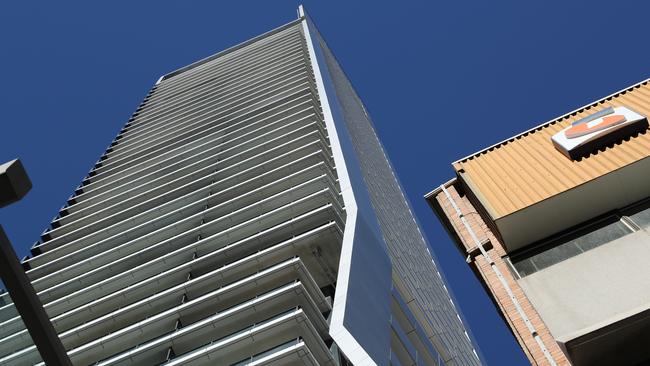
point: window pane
(642, 218)
(601, 236)
(524, 267)
(571, 245)
(555, 255)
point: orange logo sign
(597, 130)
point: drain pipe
(504, 283)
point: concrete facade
(237, 220)
(611, 286)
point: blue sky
(440, 79)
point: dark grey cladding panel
(406, 245)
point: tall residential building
(555, 222)
(246, 214)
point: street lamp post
(14, 184)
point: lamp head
(14, 182)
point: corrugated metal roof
(527, 168)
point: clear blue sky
(441, 80)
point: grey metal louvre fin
(170, 351)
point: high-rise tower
(245, 214)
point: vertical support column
(29, 306)
(14, 184)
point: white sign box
(597, 130)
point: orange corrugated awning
(527, 169)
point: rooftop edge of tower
(301, 15)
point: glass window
(555, 255)
(569, 245)
(524, 267)
(600, 236)
(642, 216)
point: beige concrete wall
(576, 296)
